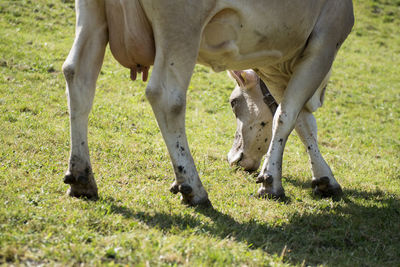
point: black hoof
(174, 188)
(69, 179)
(188, 196)
(82, 180)
(185, 189)
(204, 203)
(320, 183)
(82, 185)
(267, 179)
(321, 187)
(268, 193)
(79, 193)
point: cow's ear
(238, 77)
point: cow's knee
(172, 101)
(68, 71)
(285, 118)
(153, 93)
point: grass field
(137, 221)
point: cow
(291, 44)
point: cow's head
(254, 121)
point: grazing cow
(254, 108)
(290, 43)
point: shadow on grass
(297, 183)
(355, 232)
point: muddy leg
(166, 92)
(308, 75)
(168, 100)
(81, 70)
(323, 181)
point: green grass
(137, 221)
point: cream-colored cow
(290, 43)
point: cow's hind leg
(173, 67)
(166, 92)
(81, 70)
(323, 182)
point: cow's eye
(234, 102)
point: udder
(130, 36)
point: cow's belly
(257, 34)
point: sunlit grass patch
(137, 221)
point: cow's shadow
(352, 233)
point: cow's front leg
(308, 75)
(323, 181)
(81, 70)
(271, 173)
